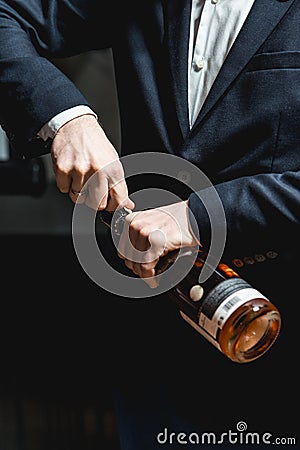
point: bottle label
(212, 318)
(200, 330)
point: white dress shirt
(214, 27)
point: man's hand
(81, 149)
(149, 235)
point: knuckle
(62, 169)
(128, 264)
(147, 266)
(113, 190)
(116, 173)
(63, 189)
(95, 168)
(118, 187)
(102, 203)
(81, 169)
(143, 232)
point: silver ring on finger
(78, 193)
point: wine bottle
(225, 309)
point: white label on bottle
(200, 330)
(225, 309)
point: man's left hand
(148, 235)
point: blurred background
(54, 382)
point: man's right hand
(80, 150)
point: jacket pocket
(274, 61)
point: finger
(124, 242)
(157, 244)
(152, 282)
(77, 196)
(129, 204)
(147, 274)
(132, 248)
(141, 259)
(78, 190)
(130, 265)
(155, 249)
(63, 177)
(112, 204)
(97, 191)
(143, 253)
(127, 251)
(63, 181)
(118, 196)
(144, 270)
(135, 241)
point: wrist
(189, 216)
(82, 121)
(50, 129)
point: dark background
(54, 384)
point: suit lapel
(263, 17)
(177, 13)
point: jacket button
(271, 254)
(259, 258)
(238, 262)
(248, 260)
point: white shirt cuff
(50, 128)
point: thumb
(129, 204)
(112, 205)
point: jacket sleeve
(262, 212)
(32, 89)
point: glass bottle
(226, 310)
(231, 314)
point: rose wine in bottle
(230, 313)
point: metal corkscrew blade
(115, 219)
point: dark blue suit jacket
(246, 138)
